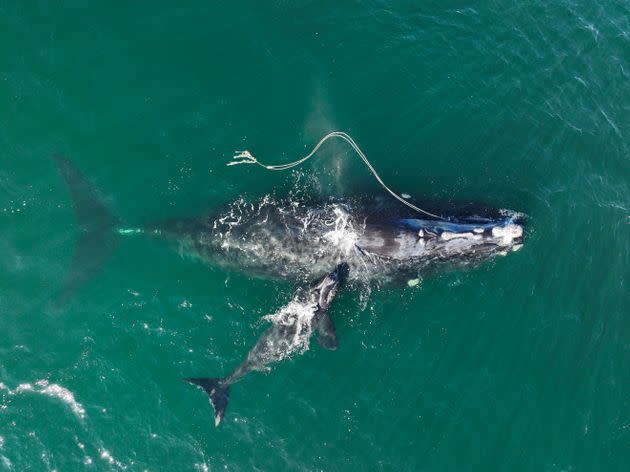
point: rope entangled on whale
(247, 158)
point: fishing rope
(247, 158)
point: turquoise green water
(521, 364)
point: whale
(318, 244)
(303, 240)
(306, 309)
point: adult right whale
(316, 244)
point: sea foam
(50, 390)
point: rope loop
(246, 158)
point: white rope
(247, 158)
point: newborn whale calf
(316, 244)
(295, 321)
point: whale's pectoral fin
(325, 291)
(327, 337)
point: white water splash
(343, 236)
(50, 390)
(299, 316)
(107, 457)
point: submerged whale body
(318, 244)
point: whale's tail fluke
(218, 391)
(97, 240)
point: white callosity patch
(447, 235)
(508, 233)
(50, 390)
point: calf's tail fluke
(98, 238)
(218, 391)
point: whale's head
(324, 291)
(460, 240)
(341, 272)
(473, 238)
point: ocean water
(520, 364)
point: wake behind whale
(317, 244)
